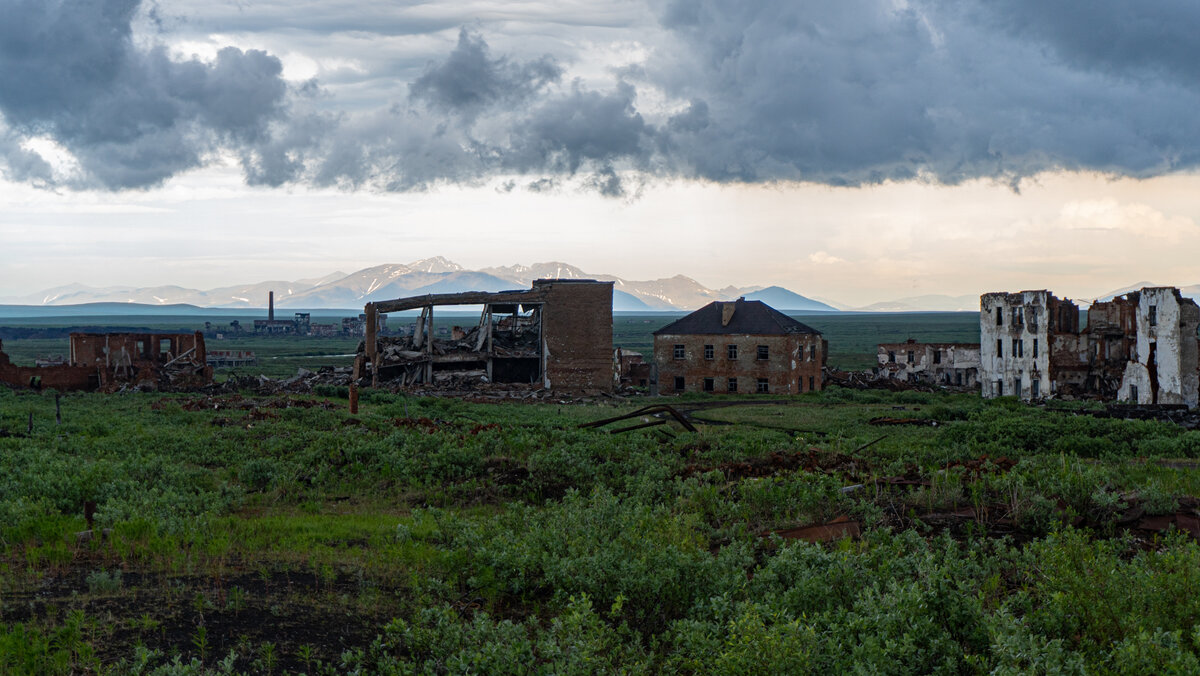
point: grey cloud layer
(131, 116)
(845, 93)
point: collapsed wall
(109, 361)
(1140, 347)
(556, 335)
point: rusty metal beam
(465, 298)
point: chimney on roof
(270, 306)
(727, 312)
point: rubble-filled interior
(557, 334)
(503, 347)
(110, 361)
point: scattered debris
(646, 414)
(111, 362)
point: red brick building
(740, 346)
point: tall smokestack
(271, 306)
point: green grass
(504, 539)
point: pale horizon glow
(623, 138)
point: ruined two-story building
(739, 346)
(942, 364)
(1140, 347)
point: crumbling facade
(1165, 367)
(943, 364)
(739, 346)
(556, 335)
(109, 361)
(1140, 347)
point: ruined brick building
(739, 346)
(1141, 347)
(944, 364)
(108, 361)
(556, 335)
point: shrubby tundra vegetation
(189, 534)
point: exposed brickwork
(108, 361)
(951, 364)
(1139, 347)
(793, 364)
(577, 329)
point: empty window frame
(1035, 388)
(1035, 348)
(1018, 316)
(764, 352)
(709, 352)
(678, 383)
(731, 385)
(1153, 315)
(891, 357)
(812, 352)
(999, 316)
(762, 386)
(709, 384)
(999, 388)
(910, 356)
(937, 356)
(731, 351)
(811, 383)
(679, 352)
(999, 347)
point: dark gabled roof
(750, 317)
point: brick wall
(577, 329)
(793, 363)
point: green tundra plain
(225, 533)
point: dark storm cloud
(468, 81)
(132, 116)
(863, 91)
(842, 93)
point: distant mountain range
(437, 275)
(429, 275)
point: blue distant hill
(783, 300)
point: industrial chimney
(270, 306)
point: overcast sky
(853, 150)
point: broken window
(678, 383)
(891, 357)
(999, 347)
(1018, 316)
(937, 356)
(731, 385)
(164, 346)
(762, 386)
(999, 316)
(763, 351)
(708, 352)
(910, 356)
(1018, 347)
(1153, 315)
(680, 353)
(731, 351)
(709, 384)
